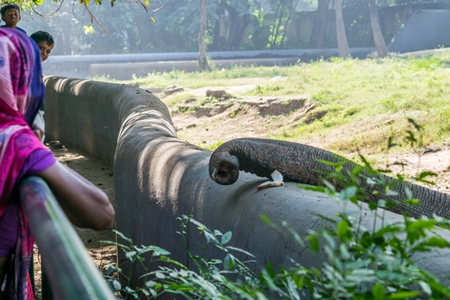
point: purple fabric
(37, 162)
(9, 227)
(21, 95)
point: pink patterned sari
(21, 94)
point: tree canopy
(96, 27)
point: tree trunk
(321, 22)
(378, 38)
(290, 14)
(237, 32)
(218, 40)
(216, 44)
(202, 61)
(238, 25)
(340, 29)
(132, 42)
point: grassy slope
(363, 102)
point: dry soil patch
(96, 172)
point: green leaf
(409, 194)
(366, 239)
(343, 229)
(348, 193)
(414, 123)
(111, 268)
(150, 284)
(378, 292)
(422, 177)
(404, 295)
(270, 270)
(158, 251)
(130, 255)
(420, 225)
(313, 188)
(344, 251)
(226, 237)
(390, 192)
(298, 280)
(116, 285)
(373, 205)
(240, 250)
(387, 229)
(426, 174)
(265, 219)
(228, 262)
(425, 287)
(314, 242)
(433, 241)
(88, 29)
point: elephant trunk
(305, 164)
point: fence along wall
(158, 178)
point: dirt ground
(222, 122)
(95, 171)
(256, 117)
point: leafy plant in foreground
(364, 263)
(205, 279)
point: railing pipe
(70, 269)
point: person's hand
(38, 132)
(86, 205)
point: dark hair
(42, 36)
(8, 6)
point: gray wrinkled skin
(303, 164)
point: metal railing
(68, 266)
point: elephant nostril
(222, 174)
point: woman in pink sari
(22, 154)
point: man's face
(45, 50)
(11, 17)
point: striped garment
(21, 95)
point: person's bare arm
(84, 204)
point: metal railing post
(70, 270)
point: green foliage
(206, 279)
(266, 89)
(326, 97)
(212, 146)
(391, 103)
(442, 121)
(427, 63)
(361, 263)
(371, 263)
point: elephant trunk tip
(224, 173)
(224, 169)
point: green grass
(365, 101)
(217, 77)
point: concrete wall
(427, 29)
(159, 177)
(124, 66)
